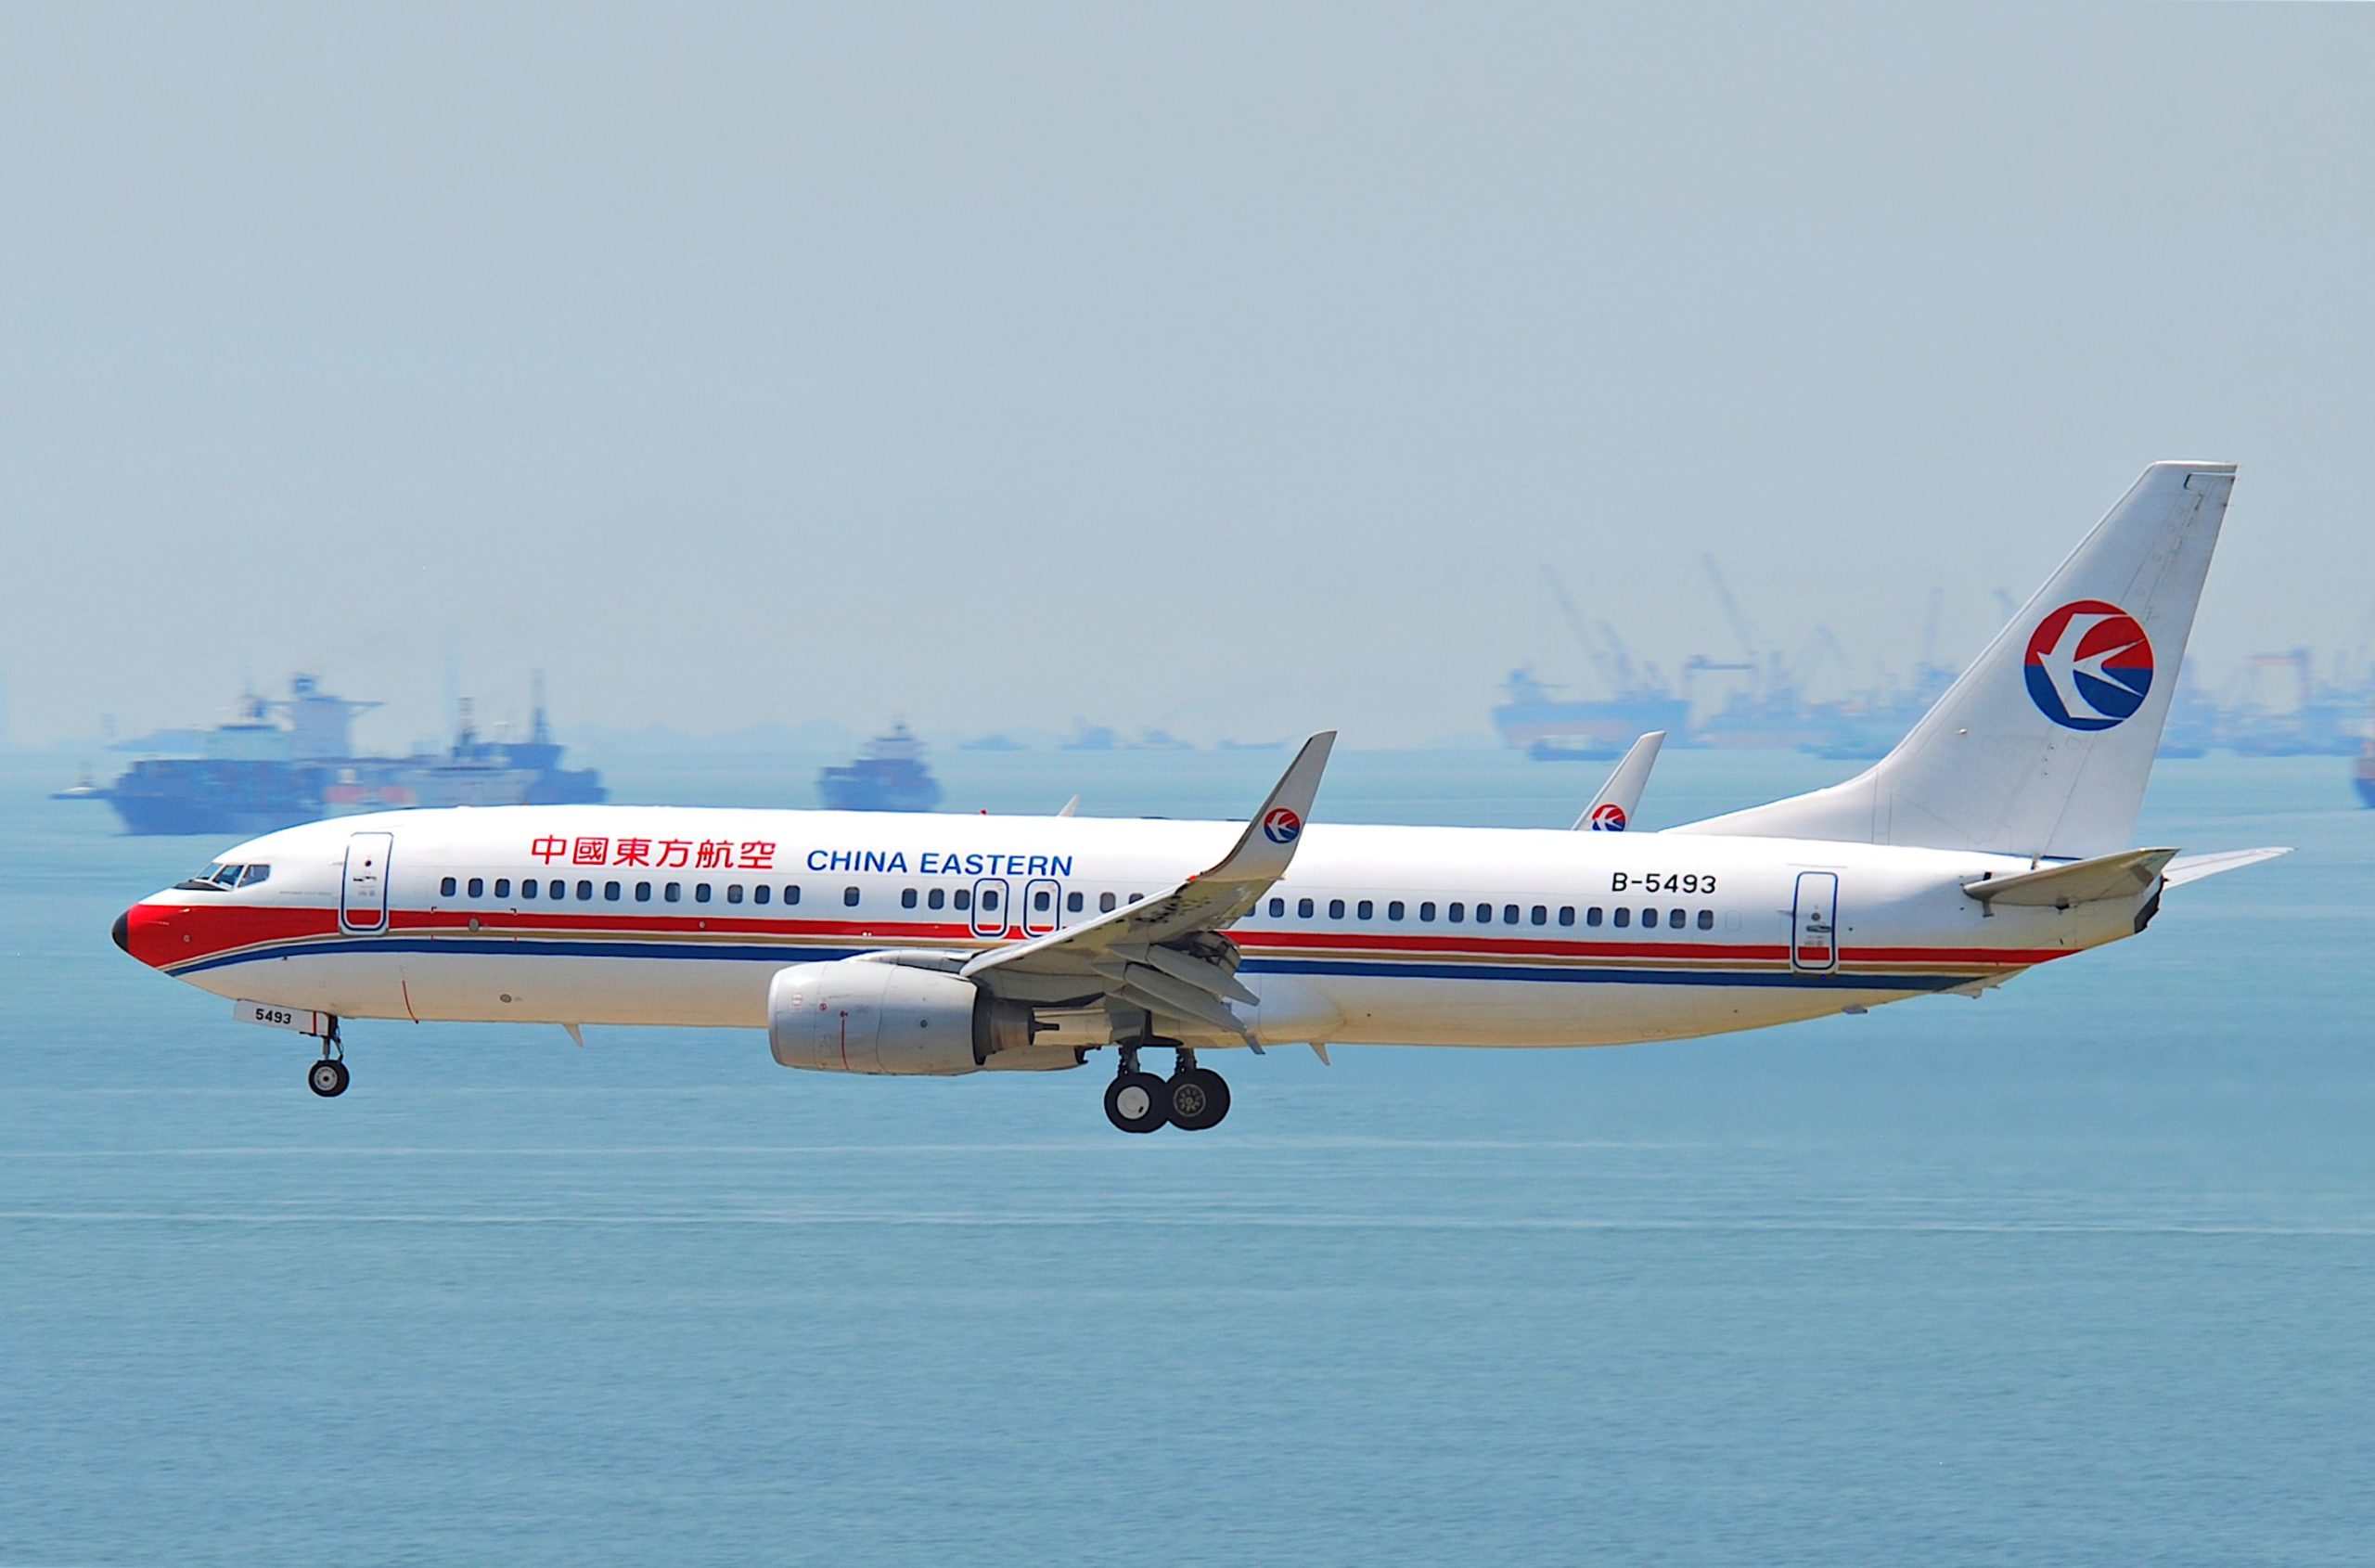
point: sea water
(2080, 1271)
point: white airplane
(1995, 837)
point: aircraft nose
(122, 930)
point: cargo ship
(1533, 719)
(887, 776)
(282, 761)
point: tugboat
(285, 761)
(887, 776)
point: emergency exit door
(363, 897)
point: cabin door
(1814, 940)
(362, 896)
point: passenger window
(1364, 910)
(1456, 913)
(643, 893)
(1305, 908)
(1427, 910)
(1043, 901)
(849, 897)
(1075, 902)
(906, 898)
(1278, 908)
(937, 899)
(1623, 917)
(1106, 902)
(1137, 898)
(559, 889)
(1674, 918)
(527, 887)
(734, 892)
(962, 898)
(1566, 914)
(478, 887)
(1508, 914)
(1541, 915)
(791, 893)
(502, 887)
(1591, 916)
(610, 891)
(674, 893)
(1394, 910)
(989, 898)
(585, 891)
(761, 893)
(1335, 908)
(1649, 916)
(447, 887)
(1706, 920)
(701, 892)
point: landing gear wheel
(1136, 1103)
(326, 1077)
(1196, 1097)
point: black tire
(1135, 1102)
(326, 1077)
(1196, 1100)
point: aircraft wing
(1166, 954)
(1612, 809)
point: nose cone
(122, 930)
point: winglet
(1612, 809)
(1071, 808)
(1267, 846)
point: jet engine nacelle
(853, 1016)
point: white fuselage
(637, 915)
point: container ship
(887, 776)
(282, 761)
(1533, 719)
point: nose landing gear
(1192, 1099)
(328, 1077)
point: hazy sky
(1231, 370)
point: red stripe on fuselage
(169, 935)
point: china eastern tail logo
(2089, 665)
(1281, 826)
(1607, 817)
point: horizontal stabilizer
(2193, 867)
(2081, 881)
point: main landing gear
(328, 1077)
(1192, 1099)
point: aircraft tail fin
(2043, 747)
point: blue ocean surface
(2083, 1271)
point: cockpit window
(225, 874)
